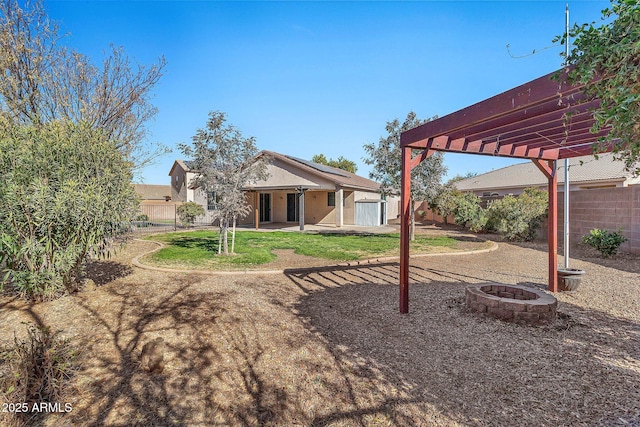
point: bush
(467, 208)
(518, 218)
(36, 369)
(65, 191)
(188, 212)
(605, 241)
(142, 217)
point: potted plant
(569, 279)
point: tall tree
(607, 59)
(386, 159)
(43, 81)
(340, 162)
(225, 162)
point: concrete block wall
(609, 208)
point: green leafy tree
(225, 162)
(65, 193)
(188, 212)
(340, 163)
(606, 58)
(44, 81)
(386, 159)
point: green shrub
(188, 212)
(36, 369)
(479, 223)
(518, 218)
(605, 241)
(467, 208)
(65, 191)
(142, 217)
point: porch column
(405, 216)
(301, 204)
(256, 204)
(549, 169)
(339, 200)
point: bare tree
(225, 162)
(42, 81)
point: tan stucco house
(299, 191)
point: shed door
(368, 214)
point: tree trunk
(220, 239)
(225, 241)
(233, 236)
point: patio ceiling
(543, 119)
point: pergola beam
(543, 120)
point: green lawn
(199, 248)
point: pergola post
(405, 216)
(549, 169)
(553, 229)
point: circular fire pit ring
(512, 303)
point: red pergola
(543, 120)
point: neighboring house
(584, 173)
(299, 191)
(156, 203)
(150, 193)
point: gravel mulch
(328, 347)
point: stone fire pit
(512, 303)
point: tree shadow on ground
(207, 243)
(105, 271)
(209, 360)
(473, 370)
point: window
(211, 200)
(331, 198)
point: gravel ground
(328, 347)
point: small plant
(605, 241)
(142, 217)
(36, 369)
(188, 212)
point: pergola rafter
(543, 120)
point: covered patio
(544, 120)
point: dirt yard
(328, 347)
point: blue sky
(322, 77)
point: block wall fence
(608, 208)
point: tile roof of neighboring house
(152, 191)
(335, 175)
(583, 170)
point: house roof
(337, 176)
(152, 191)
(585, 169)
(184, 164)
